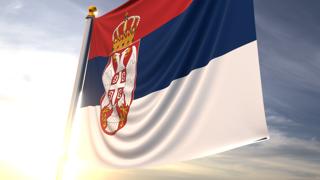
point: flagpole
(77, 88)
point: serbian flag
(169, 81)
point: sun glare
(35, 92)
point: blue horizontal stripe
(93, 87)
(207, 29)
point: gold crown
(123, 35)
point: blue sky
(34, 34)
(289, 45)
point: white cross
(118, 84)
(116, 87)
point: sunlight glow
(96, 13)
(34, 98)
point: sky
(39, 46)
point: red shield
(119, 79)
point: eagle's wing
(106, 79)
(131, 76)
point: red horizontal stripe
(152, 14)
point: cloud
(47, 25)
(13, 7)
(289, 45)
(35, 93)
(34, 35)
(281, 157)
(41, 25)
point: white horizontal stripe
(213, 109)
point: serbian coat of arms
(119, 76)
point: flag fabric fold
(169, 81)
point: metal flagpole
(77, 88)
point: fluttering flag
(169, 81)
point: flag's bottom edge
(89, 165)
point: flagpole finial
(92, 11)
